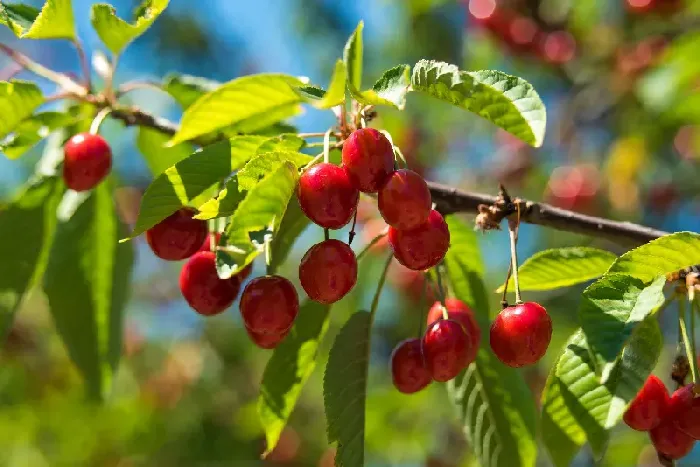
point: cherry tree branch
(40, 70)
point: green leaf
(561, 267)
(390, 90)
(117, 33)
(345, 390)
(352, 56)
(18, 99)
(263, 208)
(259, 166)
(662, 256)
(293, 224)
(86, 282)
(289, 368)
(158, 156)
(507, 101)
(611, 310)
(32, 130)
(248, 103)
(27, 227)
(225, 203)
(186, 89)
(54, 21)
(336, 90)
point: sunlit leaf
(293, 224)
(53, 21)
(224, 203)
(390, 89)
(117, 33)
(259, 166)
(352, 56)
(18, 99)
(158, 156)
(32, 130)
(336, 90)
(186, 89)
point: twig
(133, 85)
(84, 64)
(40, 70)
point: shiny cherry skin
(404, 200)
(423, 247)
(681, 401)
(671, 441)
(328, 271)
(689, 421)
(178, 236)
(205, 292)
(327, 196)
(368, 158)
(649, 406)
(446, 348)
(87, 161)
(408, 369)
(266, 341)
(459, 311)
(269, 305)
(520, 334)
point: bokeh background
(621, 81)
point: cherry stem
(377, 294)
(268, 252)
(373, 242)
(512, 233)
(99, 118)
(694, 306)
(424, 305)
(85, 66)
(687, 339)
(327, 146)
(441, 292)
(351, 235)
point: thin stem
(398, 155)
(504, 297)
(351, 235)
(424, 305)
(109, 80)
(315, 135)
(377, 294)
(441, 293)
(373, 242)
(59, 78)
(326, 234)
(84, 64)
(512, 233)
(687, 341)
(99, 118)
(693, 305)
(134, 85)
(327, 146)
(268, 252)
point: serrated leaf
(32, 130)
(53, 21)
(27, 226)
(117, 33)
(289, 368)
(335, 95)
(345, 390)
(18, 99)
(352, 57)
(152, 145)
(509, 102)
(225, 203)
(610, 311)
(662, 256)
(561, 267)
(390, 89)
(245, 104)
(261, 165)
(263, 208)
(186, 89)
(86, 283)
(293, 224)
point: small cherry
(405, 201)
(408, 370)
(327, 196)
(328, 271)
(689, 421)
(423, 247)
(458, 311)
(201, 286)
(368, 158)
(446, 348)
(87, 161)
(269, 305)
(266, 341)
(178, 236)
(671, 441)
(520, 334)
(681, 401)
(649, 406)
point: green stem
(514, 261)
(327, 146)
(377, 294)
(84, 64)
(441, 293)
(424, 306)
(268, 253)
(687, 340)
(374, 241)
(99, 118)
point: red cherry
(459, 311)
(266, 341)
(681, 401)
(520, 334)
(178, 236)
(404, 201)
(408, 370)
(423, 247)
(649, 406)
(269, 305)
(446, 348)
(206, 246)
(328, 271)
(327, 196)
(689, 421)
(202, 287)
(87, 161)
(368, 159)
(670, 441)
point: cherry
(520, 334)
(328, 271)
(87, 161)
(689, 421)
(446, 348)
(269, 305)
(681, 402)
(459, 311)
(327, 196)
(368, 159)
(266, 341)
(206, 246)
(423, 247)
(408, 370)
(178, 236)
(671, 441)
(201, 286)
(649, 407)
(404, 201)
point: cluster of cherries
(673, 422)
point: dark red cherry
(178, 236)
(671, 441)
(404, 200)
(368, 158)
(266, 341)
(87, 161)
(423, 247)
(205, 292)
(446, 348)
(327, 196)
(458, 311)
(649, 406)
(681, 401)
(408, 370)
(269, 305)
(328, 271)
(520, 334)
(689, 420)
